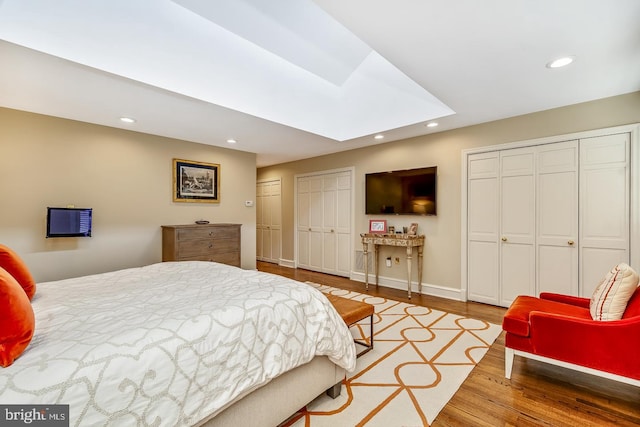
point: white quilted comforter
(168, 344)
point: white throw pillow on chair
(610, 298)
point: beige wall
(126, 177)
(443, 246)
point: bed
(180, 343)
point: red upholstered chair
(559, 329)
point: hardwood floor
(538, 394)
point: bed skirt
(278, 400)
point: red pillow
(17, 321)
(10, 261)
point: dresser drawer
(207, 233)
(230, 258)
(206, 247)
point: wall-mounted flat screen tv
(69, 222)
(401, 192)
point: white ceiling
(293, 79)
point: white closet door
(604, 207)
(260, 226)
(329, 194)
(316, 223)
(517, 218)
(324, 220)
(268, 220)
(483, 228)
(303, 223)
(275, 207)
(557, 218)
(343, 224)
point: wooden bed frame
(276, 401)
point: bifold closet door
(557, 218)
(324, 222)
(343, 217)
(517, 224)
(309, 227)
(548, 218)
(268, 220)
(483, 228)
(604, 207)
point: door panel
(483, 272)
(483, 229)
(517, 221)
(596, 263)
(557, 218)
(557, 269)
(604, 207)
(517, 271)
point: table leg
(409, 253)
(376, 250)
(365, 250)
(420, 249)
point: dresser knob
(210, 245)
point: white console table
(404, 240)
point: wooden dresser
(195, 242)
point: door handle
(504, 239)
(570, 242)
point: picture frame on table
(378, 226)
(197, 182)
(413, 229)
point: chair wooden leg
(508, 362)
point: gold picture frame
(196, 182)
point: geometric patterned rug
(420, 358)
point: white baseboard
(287, 263)
(427, 289)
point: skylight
(286, 61)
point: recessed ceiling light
(231, 141)
(378, 136)
(432, 124)
(127, 120)
(560, 62)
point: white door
(483, 228)
(268, 220)
(517, 224)
(557, 218)
(343, 224)
(548, 218)
(259, 221)
(329, 217)
(303, 225)
(604, 207)
(316, 223)
(324, 222)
